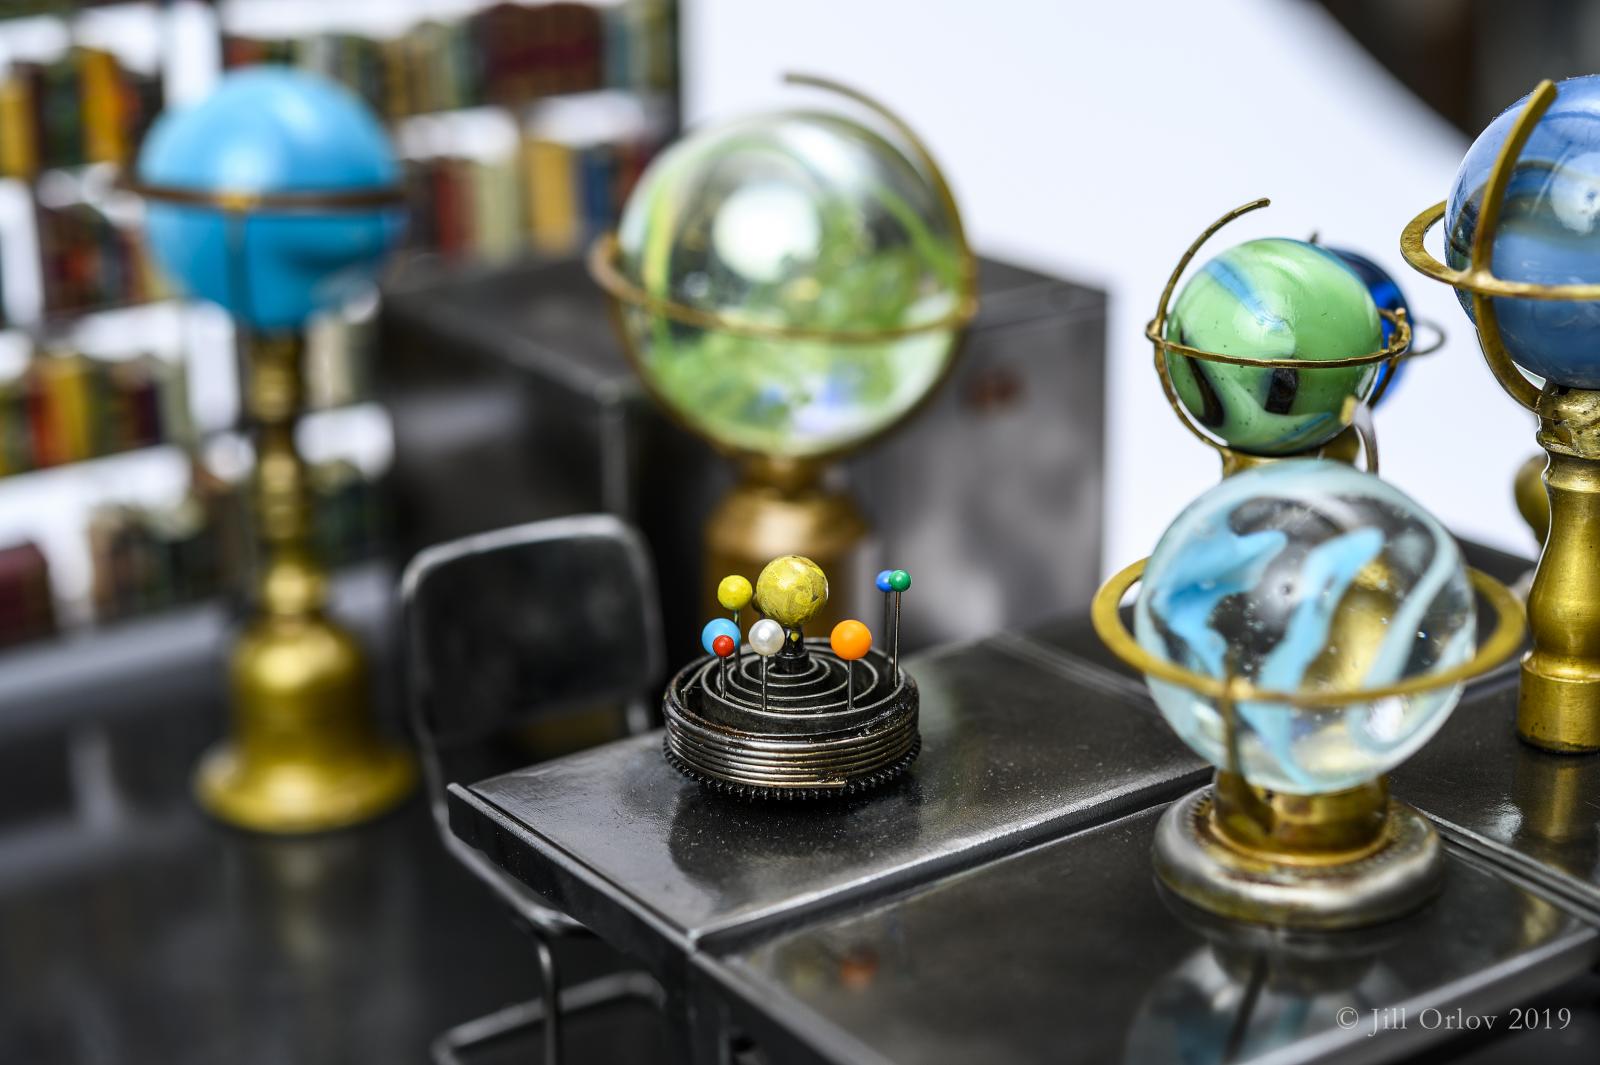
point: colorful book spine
(27, 608)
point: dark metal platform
(1072, 952)
(998, 903)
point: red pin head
(722, 646)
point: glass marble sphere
(1307, 575)
(271, 130)
(1549, 231)
(1273, 298)
(1386, 293)
(793, 219)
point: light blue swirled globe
(1549, 231)
(271, 130)
(1307, 575)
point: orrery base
(811, 740)
(1401, 874)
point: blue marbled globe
(1307, 575)
(1549, 231)
(1387, 295)
(271, 130)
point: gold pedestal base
(1308, 862)
(305, 756)
(1558, 708)
(784, 509)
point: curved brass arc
(1434, 343)
(1194, 249)
(941, 186)
(1105, 614)
(602, 263)
(1494, 192)
(1494, 196)
(1159, 323)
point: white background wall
(1095, 140)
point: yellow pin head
(734, 592)
(791, 590)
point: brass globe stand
(305, 754)
(785, 504)
(1558, 707)
(1359, 439)
(1332, 860)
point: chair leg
(552, 998)
(508, 1021)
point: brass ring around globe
(1478, 279)
(1397, 347)
(330, 201)
(604, 269)
(1501, 645)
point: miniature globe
(796, 220)
(1273, 299)
(1549, 231)
(271, 130)
(1301, 576)
(1386, 293)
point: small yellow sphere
(734, 593)
(791, 590)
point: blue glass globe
(1549, 231)
(1307, 575)
(271, 130)
(1386, 294)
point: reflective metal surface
(1011, 756)
(1535, 811)
(1071, 952)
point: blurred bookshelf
(521, 126)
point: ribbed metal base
(1396, 878)
(812, 740)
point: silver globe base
(1404, 872)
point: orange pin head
(851, 640)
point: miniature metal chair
(504, 629)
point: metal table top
(1071, 951)
(1011, 756)
(1535, 812)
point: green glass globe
(795, 221)
(1274, 298)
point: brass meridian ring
(604, 268)
(1501, 644)
(236, 201)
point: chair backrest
(506, 627)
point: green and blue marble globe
(1549, 231)
(1307, 575)
(1273, 298)
(794, 219)
(271, 130)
